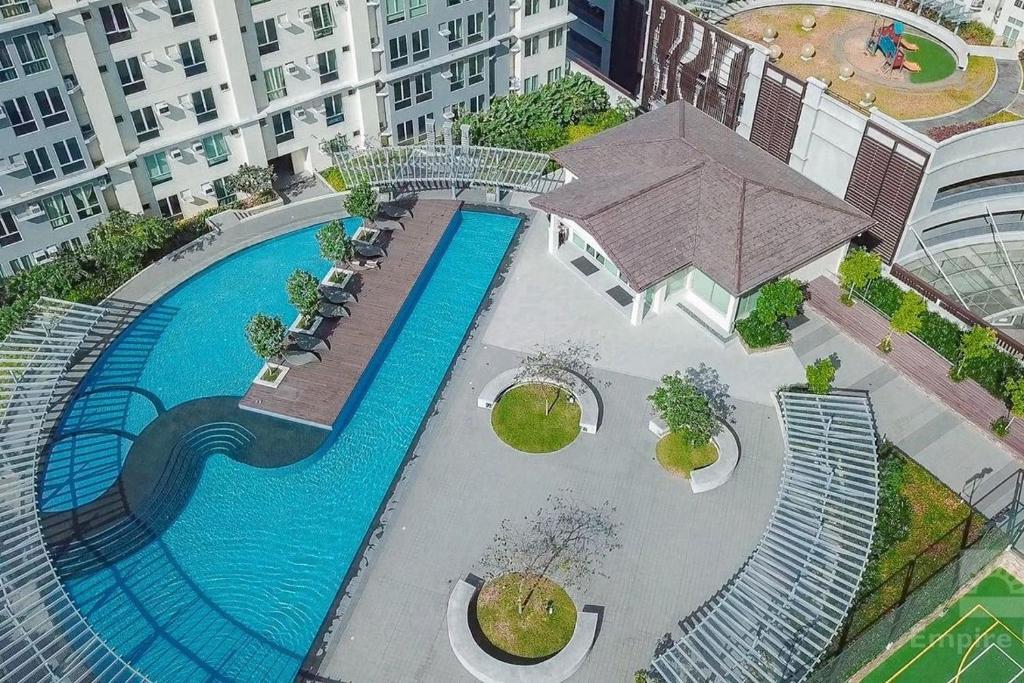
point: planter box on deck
(282, 371)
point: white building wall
(548, 29)
(827, 140)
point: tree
(567, 366)
(362, 202)
(565, 541)
(303, 292)
(684, 409)
(546, 137)
(252, 180)
(119, 245)
(857, 270)
(779, 300)
(906, 319)
(820, 375)
(335, 244)
(1015, 396)
(978, 343)
(266, 336)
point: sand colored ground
(839, 37)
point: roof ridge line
(739, 234)
(810, 200)
(610, 203)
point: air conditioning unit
(291, 67)
(3, 114)
(299, 113)
(176, 154)
(208, 189)
(160, 4)
(149, 59)
(283, 21)
(52, 29)
(70, 84)
(32, 211)
(447, 75)
(137, 9)
(185, 101)
(312, 63)
(305, 15)
(172, 52)
(198, 148)
(187, 196)
(163, 108)
(444, 31)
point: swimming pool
(237, 584)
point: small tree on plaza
(362, 202)
(978, 343)
(779, 300)
(266, 336)
(335, 244)
(565, 540)
(684, 409)
(566, 366)
(820, 375)
(252, 180)
(303, 293)
(906, 319)
(1015, 397)
(857, 270)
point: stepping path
(1000, 97)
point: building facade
(148, 105)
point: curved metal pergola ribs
(445, 165)
(43, 636)
(778, 615)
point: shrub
(119, 245)
(362, 201)
(580, 131)
(333, 178)
(758, 335)
(252, 180)
(684, 409)
(335, 244)
(303, 293)
(779, 300)
(546, 137)
(977, 344)
(993, 371)
(884, 294)
(266, 336)
(977, 33)
(940, 334)
(1001, 426)
(894, 511)
(820, 375)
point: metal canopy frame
(778, 615)
(43, 636)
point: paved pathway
(1001, 96)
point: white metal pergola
(43, 636)
(779, 613)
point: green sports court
(979, 639)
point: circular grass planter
(680, 458)
(543, 629)
(519, 418)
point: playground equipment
(888, 39)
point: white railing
(43, 636)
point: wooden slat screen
(777, 115)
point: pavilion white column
(659, 298)
(553, 224)
(637, 314)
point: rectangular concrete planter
(277, 380)
(365, 234)
(294, 327)
(326, 282)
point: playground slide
(911, 66)
(907, 45)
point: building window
(454, 32)
(170, 207)
(86, 202)
(585, 48)
(554, 74)
(181, 12)
(555, 38)
(7, 70)
(215, 149)
(266, 36)
(157, 168)
(475, 28)
(476, 69)
(405, 133)
(204, 105)
(8, 231)
(531, 7)
(57, 211)
(31, 53)
(420, 44)
(115, 23)
(476, 104)
(531, 84)
(129, 71)
(458, 81)
(146, 127)
(403, 94)
(556, 3)
(69, 156)
(19, 264)
(39, 165)
(223, 192)
(394, 11)
(531, 45)
(274, 81)
(283, 130)
(13, 8)
(327, 64)
(589, 13)
(398, 52)
(322, 20)
(421, 127)
(20, 115)
(423, 88)
(192, 57)
(333, 110)
(417, 8)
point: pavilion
(675, 210)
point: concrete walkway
(1000, 97)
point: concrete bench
(590, 409)
(486, 668)
(717, 473)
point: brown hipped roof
(674, 188)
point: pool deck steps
(316, 394)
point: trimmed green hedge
(757, 335)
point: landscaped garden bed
(536, 418)
(677, 455)
(539, 629)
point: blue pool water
(238, 584)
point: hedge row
(943, 336)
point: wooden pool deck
(315, 394)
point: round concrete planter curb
(486, 668)
(720, 471)
(590, 409)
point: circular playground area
(911, 75)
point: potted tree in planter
(686, 440)
(906, 319)
(976, 344)
(820, 375)
(362, 202)
(266, 337)
(304, 294)
(336, 246)
(256, 182)
(856, 271)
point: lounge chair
(329, 310)
(394, 212)
(336, 295)
(369, 251)
(307, 342)
(388, 225)
(297, 357)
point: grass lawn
(678, 457)
(936, 526)
(534, 633)
(936, 61)
(520, 421)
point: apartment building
(149, 105)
